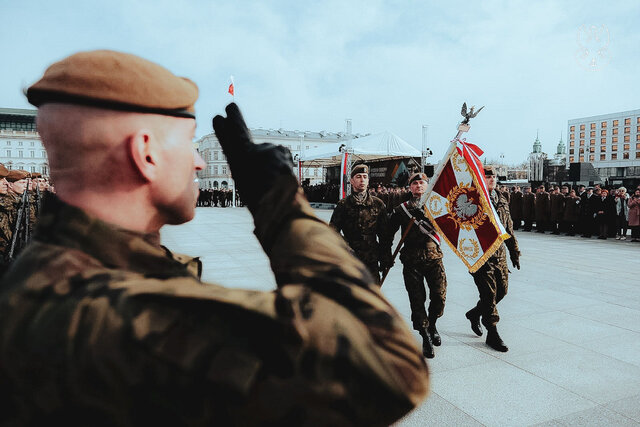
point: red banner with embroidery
(460, 208)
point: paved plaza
(571, 320)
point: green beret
(118, 81)
(16, 175)
(361, 168)
(3, 171)
(417, 176)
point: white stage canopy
(384, 145)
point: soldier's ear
(142, 152)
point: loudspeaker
(429, 170)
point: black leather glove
(254, 167)
(515, 259)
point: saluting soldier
(101, 325)
(492, 279)
(362, 219)
(421, 258)
(528, 208)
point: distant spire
(537, 146)
(562, 149)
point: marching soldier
(362, 219)
(528, 208)
(18, 183)
(421, 260)
(492, 279)
(101, 325)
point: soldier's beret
(36, 175)
(489, 171)
(16, 175)
(115, 80)
(418, 175)
(3, 171)
(359, 169)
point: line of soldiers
(21, 195)
(214, 197)
(588, 211)
(369, 229)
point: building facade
(611, 142)
(536, 162)
(217, 173)
(20, 145)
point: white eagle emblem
(465, 208)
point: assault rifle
(22, 223)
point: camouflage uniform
(422, 260)
(364, 225)
(492, 279)
(7, 213)
(103, 326)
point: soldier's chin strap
(423, 226)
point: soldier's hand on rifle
(515, 259)
(254, 167)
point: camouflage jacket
(103, 326)
(417, 245)
(364, 225)
(7, 214)
(502, 208)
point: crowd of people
(213, 197)
(21, 195)
(589, 211)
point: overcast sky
(387, 65)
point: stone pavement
(571, 320)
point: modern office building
(20, 145)
(218, 175)
(611, 142)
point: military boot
(433, 332)
(427, 345)
(474, 318)
(494, 341)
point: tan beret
(3, 171)
(361, 168)
(16, 175)
(36, 175)
(115, 80)
(417, 176)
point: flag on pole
(343, 175)
(299, 170)
(460, 208)
(231, 89)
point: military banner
(344, 175)
(460, 208)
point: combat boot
(427, 345)
(494, 341)
(433, 332)
(474, 318)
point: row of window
(43, 154)
(603, 125)
(614, 140)
(603, 132)
(603, 149)
(19, 143)
(22, 126)
(613, 156)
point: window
(627, 121)
(43, 154)
(571, 151)
(592, 141)
(581, 127)
(638, 120)
(571, 158)
(615, 131)
(603, 149)
(19, 143)
(614, 148)
(571, 143)
(215, 155)
(593, 125)
(573, 135)
(581, 142)
(19, 153)
(573, 128)
(31, 144)
(603, 125)
(581, 158)
(638, 137)
(603, 157)
(614, 139)
(224, 170)
(592, 133)
(627, 138)
(581, 134)
(638, 129)
(45, 171)
(627, 130)
(638, 146)
(215, 170)
(8, 153)
(592, 149)
(32, 154)
(9, 142)
(614, 156)
(637, 154)
(306, 147)
(603, 132)
(625, 155)
(625, 147)
(603, 140)
(33, 168)
(615, 122)
(591, 157)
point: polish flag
(231, 90)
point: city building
(611, 142)
(536, 162)
(20, 145)
(217, 173)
